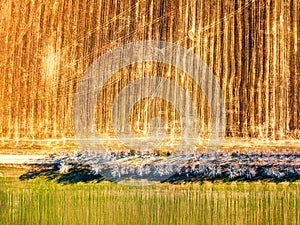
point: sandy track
(22, 159)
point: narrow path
(22, 159)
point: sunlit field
(251, 46)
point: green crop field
(43, 201)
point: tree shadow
(74, 175)
(81, 173)
(183, 178)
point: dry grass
(251, 46)
(46, 147)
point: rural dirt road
(22, 159)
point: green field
(41, 201)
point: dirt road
(22, 159)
